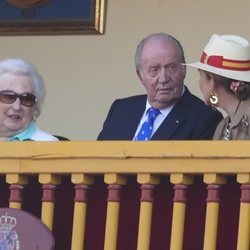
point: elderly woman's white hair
(16, 66)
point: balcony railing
(121, 195)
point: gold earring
(213, 100)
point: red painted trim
(114, 193)
(180, 193)
(49, 193)
(16, 192)
(81, 193)
(147, 193)
(213, 194)
(245, 193)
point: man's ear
(139, 74)
(184, 68)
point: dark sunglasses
(9, 97)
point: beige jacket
(239, 127)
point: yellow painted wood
(244, 227)
(181, 179)
(48, 214)
(145, 221)
(144, 165)
(82, 179)
(122, 157)
(111, 230)
(213, 178)
(79, 222)
(49, 179)
(211, 226)
(17, 179)
(16, 205)
(243, 178)
(179, 158)
(115, 179)
(9, 164)
(112, 217)
(178, 221)
(148, 179)
(125, 149)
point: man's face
(161, 72)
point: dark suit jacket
(190, 119)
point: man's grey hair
(160, 36)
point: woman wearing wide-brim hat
(224, 70)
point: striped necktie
(147, 127)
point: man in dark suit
(159, 63)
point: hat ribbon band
(220, 62)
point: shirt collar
(24, 135)
(165, 111)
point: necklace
(228, 128)
(227, 131)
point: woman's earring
(213, 100)
(34, 118)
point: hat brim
(232, 74)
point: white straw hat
(226, 55)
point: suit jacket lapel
(174, 120)
(133, 116)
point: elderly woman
(224, 70)
(22, 93)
